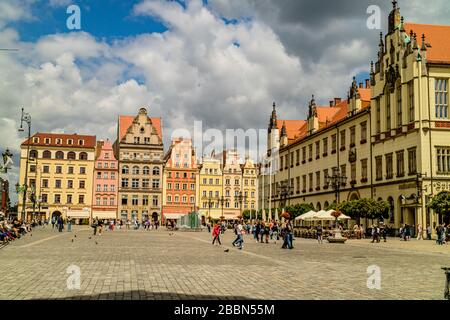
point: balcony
(353, 182)
(317, 188)
(364, 180)
(304, 191)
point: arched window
(319, 206)
(391, 210)
(326, 205)
(46, 154)
(125, 170)
(83, 156)
(146, 170)
(59, 155)
(33, 154)
(156, 171)
(135, 170)
(71, 155)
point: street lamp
(283, 190)
(26, 117)
(221, 201)
(241, 198)
(210, 204)
(336, 181)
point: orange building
(180, 180)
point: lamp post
(210, 204)
(221, 201)
(242, 197)
(26, 117)
(336, 181)
(283, 190)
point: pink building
(106, 180)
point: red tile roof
(88, 141)
(126, 121)
(293, 127)
(437, 36)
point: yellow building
(211, 200)
(389, 138)
(60, 173)
(250, 185)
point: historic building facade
(140, 151)
(211, 200)
(61, 174)
(232, 183)
(390, 138)
(180, 180)
(105, 186)
(249, 185)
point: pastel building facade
(105, 186)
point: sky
(222, 62)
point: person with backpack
(216, 234)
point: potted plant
(337, 236)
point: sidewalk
(429, 246)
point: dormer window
(142, 130)
(58, 141)
(35, 140)
(81, 142)
(69, 142)
(47, 140)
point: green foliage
(365, 208)
(246, 214)
(441, 203)
(298, 209)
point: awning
(104, 214)
(174, 216)
(78, 214)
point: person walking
(419, 232)
(216, 234)
(239, 241)
(69, 225)
(94, 225)
(100, 227)
(319, 232)
(60, 223)
(407, 232)
(287, 244)
(275, 232)
(262, 231)
(383, 233)
(208, 225)
(53, 222)
(428, 232)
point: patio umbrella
(276, 215)
(306, 215)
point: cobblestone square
(129, 264)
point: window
(317, 180)
(400, 163)
(136, 140)
(378, 115)
(82, 170)
(184, 199)
(145, 200)
(46, 169)
(310, 182)
(32, 183)
(58, 169)
(81, 199)
(134, 200)
(33, 154)
(35, 140)
(441, 93)
(59, 155)
(344, 170)
(389, 166)
(57, 198)
(443, 159)
(146, 171)
(184, 186)
(177, 199)
(388, 111)
(105, 201)
(113, 175)
(177, 186)
(105, 175)
(70, 170)
(297, 156)
(44, 183)
(146, 183)
(411, 101)
(112, 188)
(353, 172)
(353, 136)
(44, 198)
(236, 182)
(379, 168)
(135, 170)
(304, 183)
(155, 201)
(412, 161)
(169, 198)
(317, 149)
(99, 175)
(124, 183)
(69, 142)
(106, 155)
(155, 183)
(124, 199)
(83, 155)
(46, 154)
(364, 169)
(99, 188)
(192, 186)
(69, 198)
(192, 200)
(47, 140)
(81, 142)
(156, 171)
(105, 165)
(333, 143)
(399, 107)
(325, 146)
(303, 155)
(125, 170)
(310, 147)
(364, 132)
(69, 184)
(343, 139)
(112, 202)
(58, 184)
(82, 184)
(105, 188)
(281, 162)
(135, 183)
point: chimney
(337, 101)
(331, 103)
(367, 83)
(360, 85)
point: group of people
(262, 232)
(12, 230)
(111, 224)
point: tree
(365, 208)
(441, 204)
(298, 209)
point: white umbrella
(306, 215)
(276, 215)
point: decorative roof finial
(394, 4)
(424, 47)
